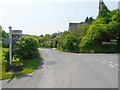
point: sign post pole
(10, 46)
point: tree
(103, 10)
(62, 40)
(104, 15)
(86, 20)
(116, 15)
(3, 34)
(89, 20)
(113, 29)
(104, 28)
(72, 44)
(94, 37)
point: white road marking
(110, 65)
(116, 64)
(102, 62)
(110, 62)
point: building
(75, 26)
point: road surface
(70, 70)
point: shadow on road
(10, 80)
(51, 63)
(19, 77)
(14, 74)
(26, 75)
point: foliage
(101, 20)
(54, 35)
(104, 16)
(89, 35)
(113, 29)
(89, 20)
(46, 41)
(5, 55)
(116, 15)
(72, 44)
(29, 66)
(103, 10)
(62, 40)
(26, 47)
(3, 34)
(94, 33)
(103, 29)
(6, 75)
(4, 59)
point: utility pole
(10, 46)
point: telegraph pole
(10, 46)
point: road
(70, 70)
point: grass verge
(29, 66)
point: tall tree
(103, 10)
(86, 20)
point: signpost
(10, 45)
(11, 34)
(16, 31)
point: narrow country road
(70, 70)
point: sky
(37, 17)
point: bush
(5, 58)
(26, 47)
(72, 44)
(5, 55)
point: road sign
(109, 43)
(15, 36)
(13, 41)
(16, 31)
(5, 40)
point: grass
(29, 66)
(0, 53)
(6, 75)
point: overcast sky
(38, 17)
